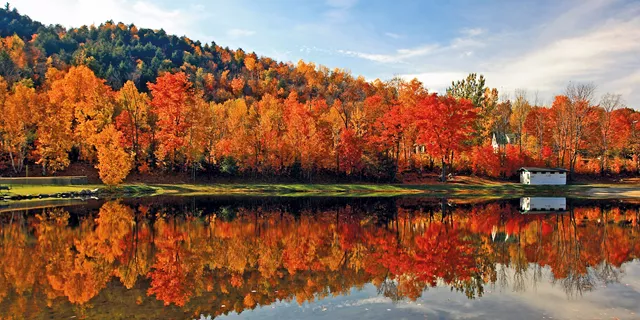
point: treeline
(204, 260)
(123, 98)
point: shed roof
(542, 211)
(534, 169)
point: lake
(322, 258)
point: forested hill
(118, 52)
(124, 98)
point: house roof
(534, 169)
(504, 139)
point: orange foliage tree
(172, 98)
(114, 163)
(55, 135)
(18, 115)
(133, 119)
(185, 105)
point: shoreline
(354, 190)
(625, 192)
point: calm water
(322, 258)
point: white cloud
(240, 33)
(404, 55)
(393, 35)
(591, 41)
(398, 57)
(594, 41)
(339, 12)
(472, 32)
(369, 56)
(147, 14)
(602, 55)
(603, 51)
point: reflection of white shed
(538, 176)
(542, 204)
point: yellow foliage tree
(17, 119)
(89, 100)
(114, 163)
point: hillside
(122, 99)
(117, 52)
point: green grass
(494, 190)
(46, 189)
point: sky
(543, 300)
(537, 45)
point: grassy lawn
(46, 189)
(451, 189)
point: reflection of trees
(389, 288)
(216, 262)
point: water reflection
(543, 204)
(187, 257)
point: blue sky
(537, 45)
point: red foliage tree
(172, 96)
(350, 151)
(444, 124)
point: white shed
(538, 176)
(543, 204)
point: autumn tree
(608, 104)
(537, 126)
(114, 163)
(350, 151)
(485, 161)
(560, 111)
(580, 118)
(12, 58)
(55, 134)
(270, 147)
(17, 125)
(302, 134)
(521, 109)
(240, 143)
(483, 98)
(3, 96)
(237, 86)
(133, 119)
(89, 99)
(196, 140)
(172, 98)
(444, 124)
(390, 129)
(627, 136)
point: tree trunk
(603, 161)
(444, 171)
(395, 171)
(13, 164)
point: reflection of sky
(544, 301)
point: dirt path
(621, 192)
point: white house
(542, 204)
(538, 176)
(501, 140)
